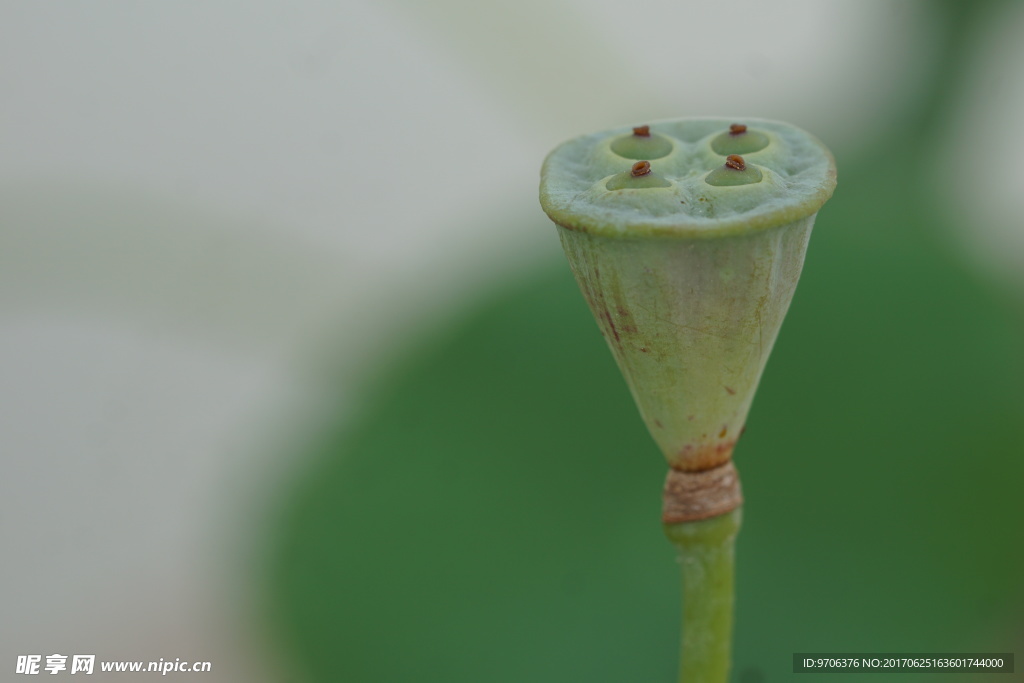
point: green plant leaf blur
(495, 514)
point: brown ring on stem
(692, 496)
(640, 168)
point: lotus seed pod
(689, 279)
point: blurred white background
(195, 197)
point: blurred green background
(492, 514)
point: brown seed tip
(737, 129)
(642, 131)
(735, 162)
(641, 168)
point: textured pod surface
(798, 176)
(691, 324)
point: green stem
(707, 554)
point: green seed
(642, 145)
(638, 177)
(734, 172)
(739, 140)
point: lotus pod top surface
(790, 174)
